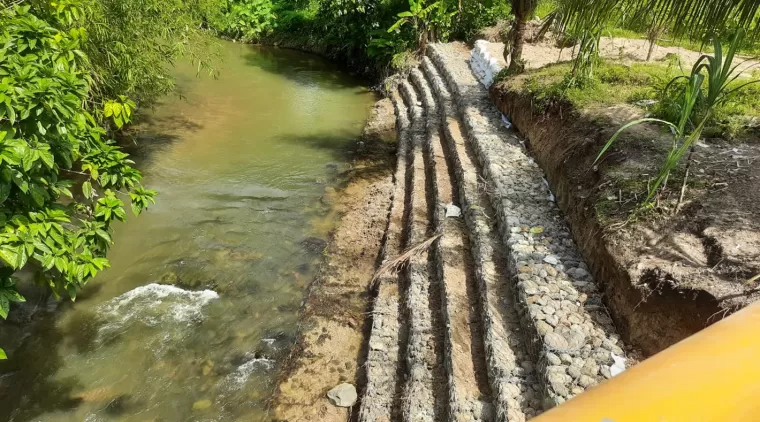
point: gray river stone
(343, 395)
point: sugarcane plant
(695, 105)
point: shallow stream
(201, 302)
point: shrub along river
(200, 305)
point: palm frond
(398, 262)
(698, 18)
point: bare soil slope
(665, 276)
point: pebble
(574, 371)
(585, 381)
(590, 368)
(543, 328)
(553, 359)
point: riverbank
(666, 273)
(330, 347)
(524, 282)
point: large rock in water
(343, 395)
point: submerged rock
(207, 367)
(202, 404)
(303, 268)
(343, 395)
(314, 244)
(169, 278)
(329, 196)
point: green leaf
(5, 190)
(103, 235)
(5, 306)
(48, 261)
(21, 257)
(9, 255)
(87, 189)
(47, 158)
(3, 356)
(20, 181)
(626, 126)
(38, 195)
(72, 291)
(12, 295)
(57, 237)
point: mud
(334, 314)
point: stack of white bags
(484, 66)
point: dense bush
(356, 32)
(248, 20)
(129, 44)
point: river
(201, 303)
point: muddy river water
(201, 302)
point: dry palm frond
(753, 279)
(398, 262)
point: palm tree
(523, 10)
(697, 18)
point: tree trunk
(652, 36)
(518, 39)
(423, 41)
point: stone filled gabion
(379, 396)
(546, 334)
(571, 336)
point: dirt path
(624, 49)
(329, 349)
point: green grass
(544, 8)
(616, 32)
(616, 83)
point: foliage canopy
(72, 73)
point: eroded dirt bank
(334, 315)
(664, 277)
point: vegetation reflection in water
(202, 299)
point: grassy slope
(632, 83)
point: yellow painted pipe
(712, 376)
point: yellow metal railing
(712, 376)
